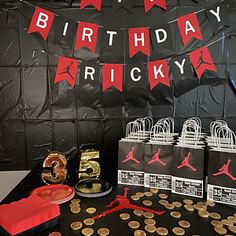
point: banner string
(101, 26)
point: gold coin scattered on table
(138, 212)
(139, 194)
(203, 214)
(235, 214)
(175, 214)
(232, 228)
(215, 215)
(177, 204)
(124, 216)
(76, 225)
(148, 194)
(148, 215)
(227, 222)
(75, 210)
(103, 231)
(55, 234)
(73, 204)
(189, 207)
(150, 228)
(135, 197)
(163, 196)
(89, 221)
(163, 202)
(169, 206)
(134, 224)
(184, 224)
(154, 190)
(139, 232)
(147, 202)
(75, 200)
(188, 201)
(178, 231)
(149, 222)
(232, 218)
(217, 223)
(199, 207)
(87, 231)
(220, 230)
(91, 210)
(210, 203)
(162, 231)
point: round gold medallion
(140, 194)
(91, 210)
(75, 200)
(188, 201)
(147, 202)
(139, 232)
(150, 228)
(154, 190)
(203, 214)
(163, 196)
(55, 234)
(162, 231)
(177, 204)
(232, 228)
(134, 224)
(175, 214)
(103, 231)
(217, 223)
(210, 203)
(163, 202)
(89, 221)
(227, 222)
(178, 231)
(169, 206)
(189, 207)
(124, 216)
(135, 197)
(220, 230)
(76, 225)
(232, 218)
(184, 224)
(138, 212)
(87, 231)
(215, 215)
(148, 215)
(75, 210)
(148, 194)
(149, 222)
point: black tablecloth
(199, 226)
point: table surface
(199, 226)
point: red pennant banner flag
(86, 36)
(158, 73)
(189, 28)
(112, 75)
(148, 4)
(67, 70)
(41, 22)
(139, 40)
(96, 3)
(202, 60)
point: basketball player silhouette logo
(130, 157)
(156, 158)
(185, 163)
(201, 61)
(67, 71)
(224, 170)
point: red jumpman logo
(156, 158)
(224, 170)
(130, 157)
(124, 203)
(186, 163)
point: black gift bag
(222, 176)
(188, 171)
(158, 160)
(130, 162)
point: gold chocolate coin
(189, 207)
(139, 194)
(199, 207)
(103, 231)
(227, 222)
(175, 214)
(210, 203)
(138, 212)
(232, 228)
(162, 231)
(139, 232)
(73, 204)
(163, 202)
(232, 218)
(87, 231)
(154, 190)
(148, 194)
(147, 202)
(75, 210)
(215, 215)
(91, 210)
(148, 215)
(177, 204)
(169, 206)
(75, 200)
(124, 216)
(150, 228)
(134, 224)
(188, 201)
(76, 225)
(149, 222)
(89, 221)
(217, 223)
(203, 214)
(184, 224)
(135, 197)
(178, 231)
(220, 230)
(55, 234)
(163, 196)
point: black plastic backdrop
(38, 115)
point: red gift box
(32, 213)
